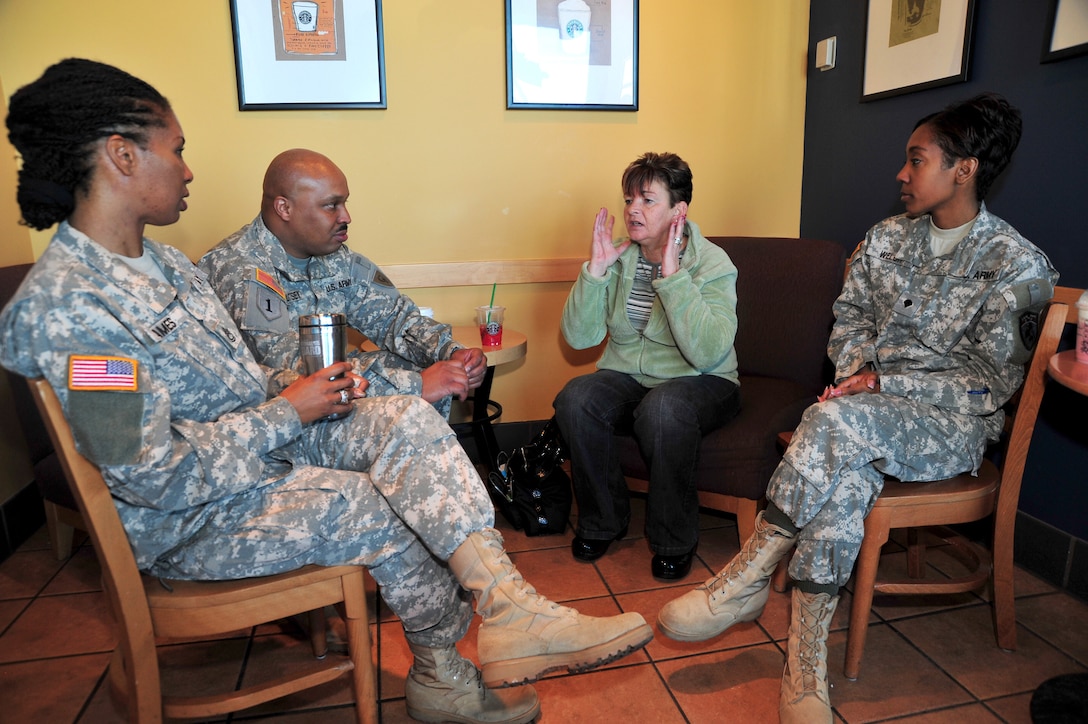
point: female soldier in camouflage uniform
(930, 338)
(214, 475)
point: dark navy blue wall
(853, 151)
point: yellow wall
(446, 173)
(15, 468)
(14, 239)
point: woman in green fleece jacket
(666, 299)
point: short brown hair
(668, 168)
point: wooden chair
(962, 499)
(146, 609)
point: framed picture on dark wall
(911, 45)
(1066, 30)
(572, 54)
(303, 54)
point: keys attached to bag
(529, 486)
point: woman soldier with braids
(927, 347)
(219, 470)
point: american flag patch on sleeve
(89, 372)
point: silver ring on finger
(344, 397)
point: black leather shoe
(587, 549)
(671, 568)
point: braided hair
(55, 122)
(985, 127)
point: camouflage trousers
(388, 487)
(834, 471)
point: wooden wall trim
(474, 273)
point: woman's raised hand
(670, 257)
(603, 253)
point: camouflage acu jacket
(160, 390)
(952, 331)
(266, 294)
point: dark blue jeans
(668, 422)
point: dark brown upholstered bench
(785, 289)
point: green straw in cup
(492, 302)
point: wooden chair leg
(364, 683)
(1004, 594)
(60, 531)
(137, 690)
(916, 553)
(319, 640)
(747, 510)
(876, 535)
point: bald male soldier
(293, 260)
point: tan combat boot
(524, 635)
(737, 593)
(442, 686)
(804, 698)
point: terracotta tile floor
(930, 662)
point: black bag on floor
(530, 488)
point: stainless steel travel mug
(322, 340)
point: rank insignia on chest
(906, 306)
(94, 372)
